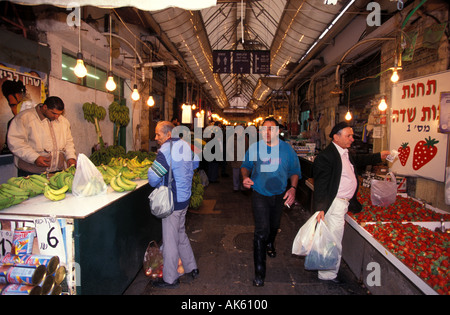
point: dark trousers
(267, 213)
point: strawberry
(424, 152)
(403, 153)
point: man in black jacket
(336, 184)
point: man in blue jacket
(176, 243)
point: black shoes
(161, 284)
(335, 281)
(270, 250)
(193, 274)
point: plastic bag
(325, 251)
(87, 181)
(153, 261)
(304, 238)
(383, 192)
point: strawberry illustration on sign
(424, 152)
(403, 153)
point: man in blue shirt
(176, 243)
(267, 167)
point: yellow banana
(48, 193)
(114, 184)
(121, 183)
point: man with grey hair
(176, 244)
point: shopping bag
(153, 261)
(303, 240)
(383, 192)
(161, 202)
(325, 251)
(87, 181)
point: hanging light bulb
(80, 70)
(110, 84)
(382, 106)
(150, 101)
(348, 116)
(135, 95)
(394, 77)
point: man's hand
(320, 216)
(71, 162)
(43, 161)
(289, 196)
(247, 182)
(384, 154)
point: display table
(361, 250)
(105, 236)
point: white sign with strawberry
(414, 127)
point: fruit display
(404, 210)
(196, 192)
(93, 113)
(120, 116)
(55, 194)
(120, 183)
(425, 252)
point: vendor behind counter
(41, 140)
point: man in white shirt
(336, 184)
(41, 140)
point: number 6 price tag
(50, 238)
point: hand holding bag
(325, 251)
(304, 238)
(161, 198)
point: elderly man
(336, 184)
(41, 140)
(176, 243)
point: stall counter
(105, 236)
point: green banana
(13, 190)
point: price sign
(6, 238)
(50, 238)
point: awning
(139, 4)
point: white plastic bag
(87, 181)
(383, 192)
(325, 251)
(304, 238)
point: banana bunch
(34, 184)
(92, 110)
(131, 168)
(196, 192)
(55, 194)
(107, 172)
(93, 113)
(11, 195)
(120, 183)
(119, 114)
(60, 179)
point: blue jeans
(267, 215)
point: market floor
(222, 244)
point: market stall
(103, 238)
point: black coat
(327, 169)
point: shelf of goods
(103, 237)
(400, 248)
